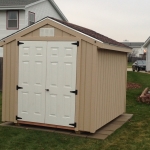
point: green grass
(134, 135)
(130, 64)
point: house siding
(42, 10)
(3, 31)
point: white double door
(47, 74)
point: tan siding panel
(4, 91)
(58, 32)
(88, 85)
(8, 51)
(16, 81)
(77, 103)
(28, 35)
(82, 86)
(111, 86)
(65, 34)
(94, 89)
(12, 80)
(36, 33)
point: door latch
(47, 90)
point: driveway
(129, 69)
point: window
(12, 19)
(31, 18)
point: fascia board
(146, 43)
(21, 7)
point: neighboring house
(146, 47)
(17, 14)
(137, 50)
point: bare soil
(133, 85)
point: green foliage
(134, 135)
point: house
(137, 50)
(68, 79)
(146, 47)
(17, 14)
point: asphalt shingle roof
(91, 33)
(16, 2)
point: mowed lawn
(134, 135)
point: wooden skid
(45, 125)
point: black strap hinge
(73, 124)
(75, 92)
(18, 87)
(20, 43)
(18, 118)
(77, 43)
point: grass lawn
(134, 135)
(130, 64)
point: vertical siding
(9, 86)
(88, 77)
(82, 85)
(4, 86)
(111, 86)
(7, 82)
(10, 75)
(1, 72)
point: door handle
(47, 90)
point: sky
(117, 19)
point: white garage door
(47, 74)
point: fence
(133, 59)
(1, 72)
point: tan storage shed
(61, 75)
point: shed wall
(111, 86)
(99, 72)
(10, 74)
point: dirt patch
(133, 85)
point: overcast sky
(118, 19)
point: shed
(61, 75)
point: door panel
(61, 79)
(52, 66)
(32, 76)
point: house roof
(5, 4)
(90, 33)
(146, 43)
(133, 44)
(16, 2)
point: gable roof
(84, 31)
(16, 2)
(5, 4)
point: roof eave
(146, 43)
(114, 47)
(12, 7)
(58, 10)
